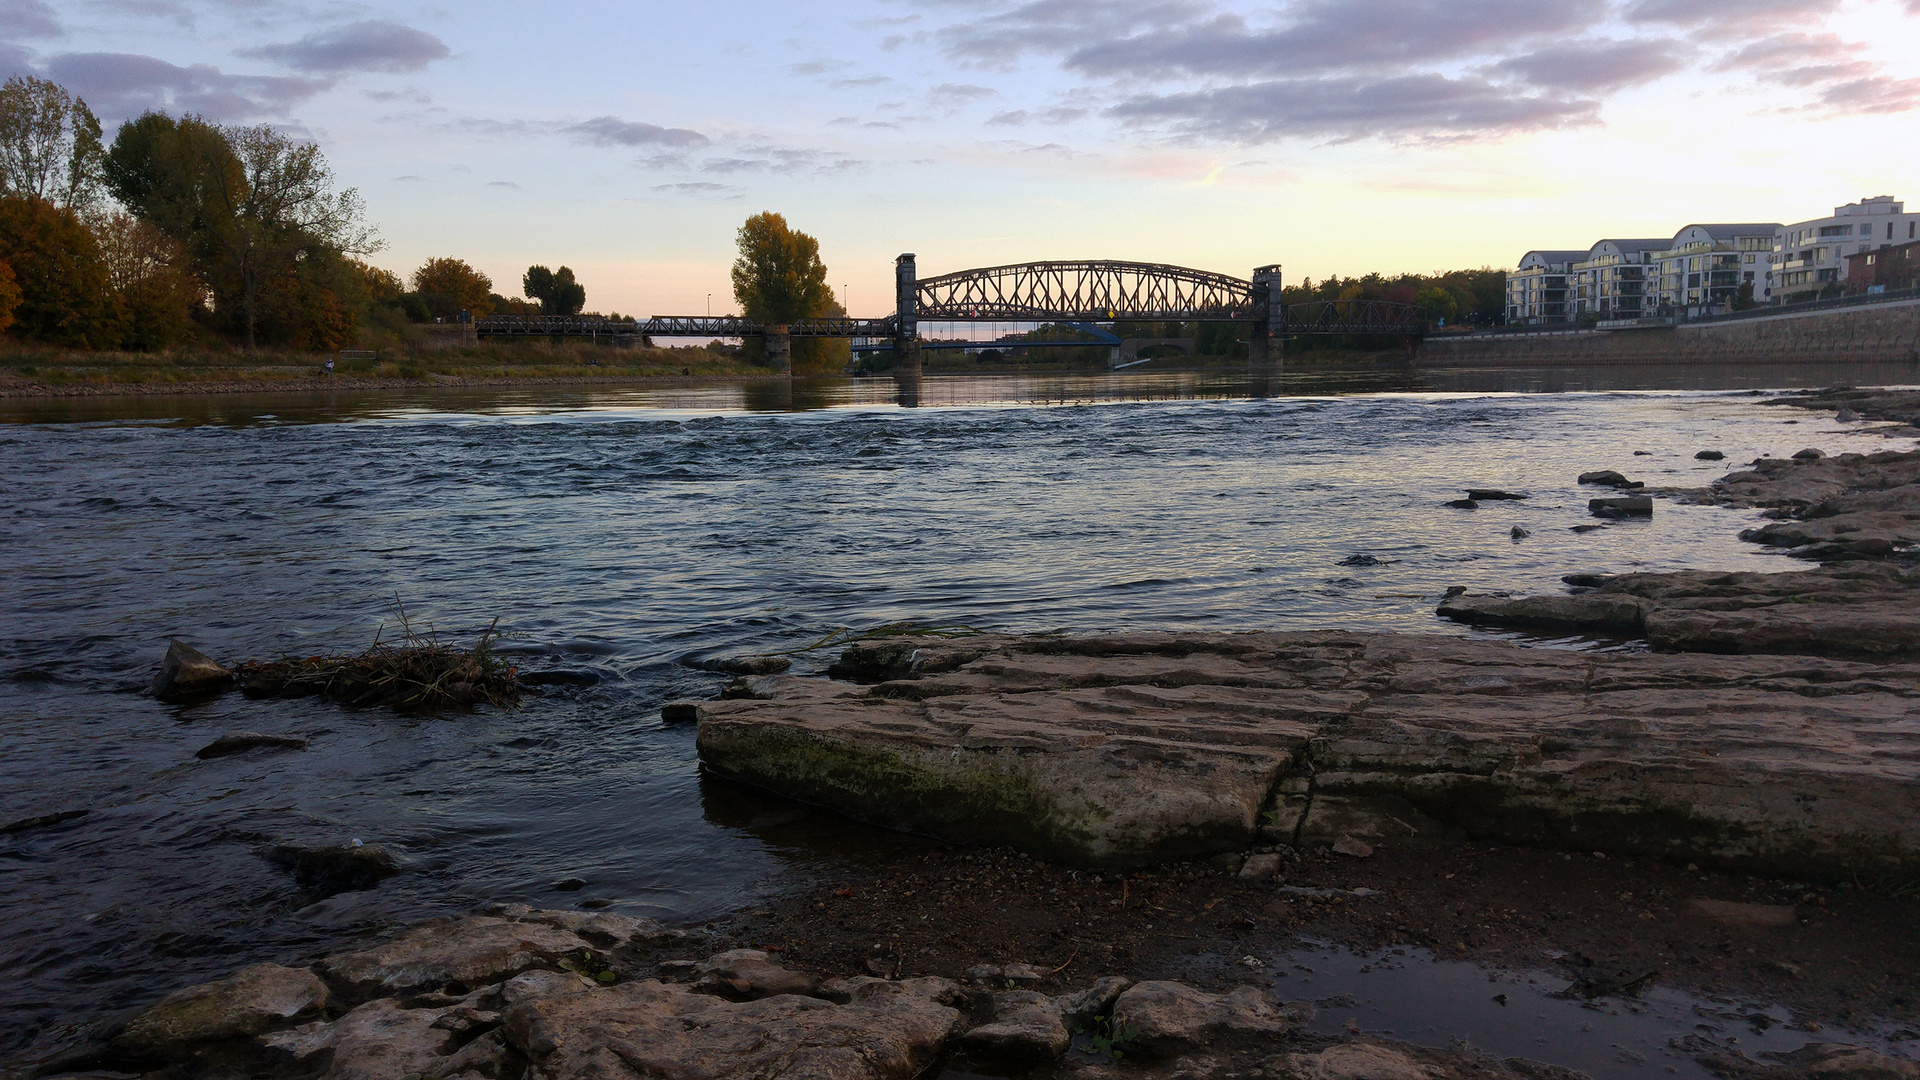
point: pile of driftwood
(418, 672)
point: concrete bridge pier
(906, 337)
(1263, 346)
(779, 348)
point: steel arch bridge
(1087, 291)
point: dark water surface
(619, 531)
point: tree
(556, 290)
(9, 294)
(49, 144)
(450, 286)
(1439, 302)
(65, 295)
(153, 276)
(780, 279)
(169, 172)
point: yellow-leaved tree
(780, 279)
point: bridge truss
(1044, 292)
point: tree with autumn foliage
(450, 286)
(779, 279)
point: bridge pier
(778, 346)
(906, 307)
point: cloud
(785, 160)
(702, 188)
(1598, 66)
(963, 91)
(1020, 117)
(1876, 94)
(412, 95)
(1327, 35)
(861, 82)
(1426, 107)
(502, 184)
(119, 85)
(30, 19)
(369, 45)
(407, 179)
(613, 131)
(1401, 70)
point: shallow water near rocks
(616, 533)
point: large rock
(381, 1040)
(187, 674)
(461, 953)
(254, 1000)
(1133, 748)
(1162, 1018)
(239, 742)
(651, 1029)
(744, 974)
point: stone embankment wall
(1877, 333)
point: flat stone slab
(1133, 749)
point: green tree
(49, 144)
(556, 290)
(449, 286)
(779, 279)
(257, 212)
(65, 295)
(1439, 302)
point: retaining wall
(1881, 332)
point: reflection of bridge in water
(1088, 293)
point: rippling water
(622, 531)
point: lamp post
(709, 305)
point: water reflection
(1295, 378)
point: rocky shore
(1138, 823)
(522, 993)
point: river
(626, 531)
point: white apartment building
(1705, 266)
(1537, 290)
(1811, 255)
(1613, 279)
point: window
(1866, 230)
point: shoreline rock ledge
(1133, 749)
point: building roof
(1550, 257)
(1730, 231)
(1635, 246)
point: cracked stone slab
(1131, 749)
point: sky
(629, 141)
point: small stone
(42, 821)
(1347, 845)
(1493, 494)
(1519, 533)
(1168, 1017)
(239, 742)
(1260, 866)
(1027, 1029)
(1097, 1000)
(331, 870)
(468, 952)
(748, 974)
(1709, 455)
(1625, 507)
(1809, 454)
(1360, 560)
(680, 712)
(1846, 416)
(572, 884)
(1358, 1061)
(1464, 504)
(1022, 973)
(984, 972)
(187, 674)
(1604, 478)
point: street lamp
(709, 305)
